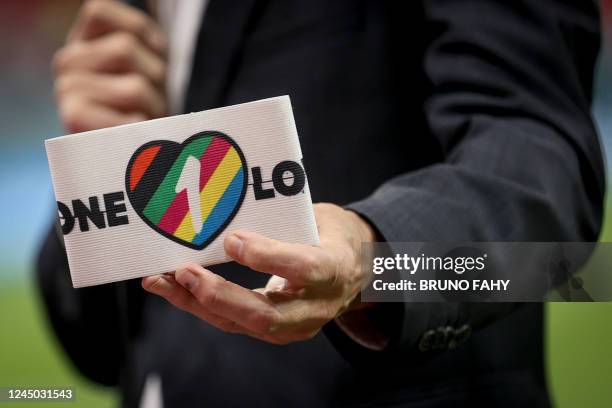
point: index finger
(99, 17)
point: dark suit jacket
(435, 120)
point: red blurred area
(32, 30)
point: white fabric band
(140, 199)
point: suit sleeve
(86, 321)
(510, 107)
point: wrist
(365, 231)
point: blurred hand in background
(112, 68)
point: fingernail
(148, 281)
(155, 284)
(233, 245)
(186, 279)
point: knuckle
(208, 298)
(311, 262)
(70, 84)
(265, 321)
(93, 8)
(140, 24)
(63, 85)
(72, 115)
(210, 295)
(60, 59)
(135, 88)
(128, 41)
(309, 265)
(252, 254)
(175, 298)
(124, 45)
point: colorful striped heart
(188, 192)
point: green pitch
(30, 355)
(579, 352)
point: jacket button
(426, 340)
(449, 335)
(460, 336)
(437, 341)
(441, 337)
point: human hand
(309, 285)
(112, 69)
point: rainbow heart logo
(188, 192)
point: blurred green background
(579, 336)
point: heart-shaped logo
(188, 192)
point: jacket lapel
(217, 52)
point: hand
(111, 70)
(309, 285)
